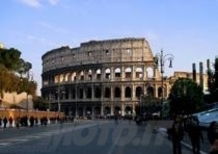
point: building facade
(189, 75)
(101, 77)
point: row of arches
(104, 73)
(90, 92)
(107, 110)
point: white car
(206, 117)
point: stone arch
(88, 110)
(117, 110)
(128, 110)
(61, 79)
(67, 77)
(150, 72)
(117, 72)
(150, 91)
(107, 92)
(57, 78)
(97, 111)
(80, 111)
(160, 92)
(97, 92)
(89, 74)
(81, 93)
(73, 76)
(117, 92)
(128, 72)
(89, 92)
(138, 92)
(81, 75)
(98, 74)
(107, 73)
(139, 72)
(107, 110)
(66, 93)
(128, 92)
(73, 93)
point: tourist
(17, 122)
(31, 121)
(195, 135)
(177, 135)
(212, 132)
(0, 122)
(5, 121)
(10, 121)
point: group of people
(191, 127)
(25, 121)
(4, 121)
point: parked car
(206, 117)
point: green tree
(10, 58)
(216, 80)
(213, 82)
(40, 103)
(10, 65)
(186, 97)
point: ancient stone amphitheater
(101, 77)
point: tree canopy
(213, 82)
(186, 97)
(10, 58)
(11, 65)
(40, 103)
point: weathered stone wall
(110, 74)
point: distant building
(189, 75)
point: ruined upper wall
(95, 52)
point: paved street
(104, 137)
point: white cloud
(38, 3)
(53, 2)
(31, 3)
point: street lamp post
(160, 60)
(60, 91)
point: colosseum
(101, 77)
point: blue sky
(186, 28)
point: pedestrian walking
(177, 133)
(0, 122)
(212, 132)
(31, 121)
(17, 122)
(195, 135)
(10, 122)
(5, 121)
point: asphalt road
(93, 137)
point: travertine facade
(101, 77)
